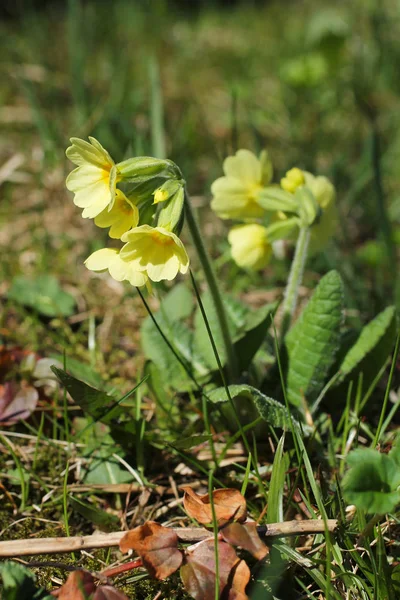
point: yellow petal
(84, 176)
(244, 166)
(101, 259)
(81, 153)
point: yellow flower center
(161, 240)
(105, 175)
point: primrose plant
(213, 349)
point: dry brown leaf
(229, 505)
(17, 401)
(79, 586)
(157, 546)
(107, 592)
(246, 536)
(238, 579)
(199, 571)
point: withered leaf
(239, 577)
(79, 586)
(17, 401)
(246, 536)
(107, 592)
(157, 546)
(198, 572)
(229, 505)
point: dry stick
(185, 534)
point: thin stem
(213, 287)
(295, 278)
(215, 530)
(368, 529)
(387, 392)
(382, 213)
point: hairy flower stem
(295, 278)
(213, 287)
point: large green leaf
(372, 482)
(157, 350)
(256, 328)
(236, 314)
(43, 294)
(166, 405)
(246, 398)
(175, 307)
(177, 304)
(372, 348)
(313, 340)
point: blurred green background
(314, 82)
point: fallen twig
(59, 545)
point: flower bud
(145, 166)
(166, 191)
(171, 213)
(293, 179)
(250, 246)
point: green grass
(145, 78)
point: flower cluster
(145, 215)
(267, 212)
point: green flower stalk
(295, 279)
(213, 287)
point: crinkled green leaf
(372, 482)
(245, 396)
(313, 340)
(43, 294)
(372, 348)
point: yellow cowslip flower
(293, 179)
(93, 181)
(120, 270)
(123, 216)
(324, 193)
(250, 247)
(155, 250)
(235, 194)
